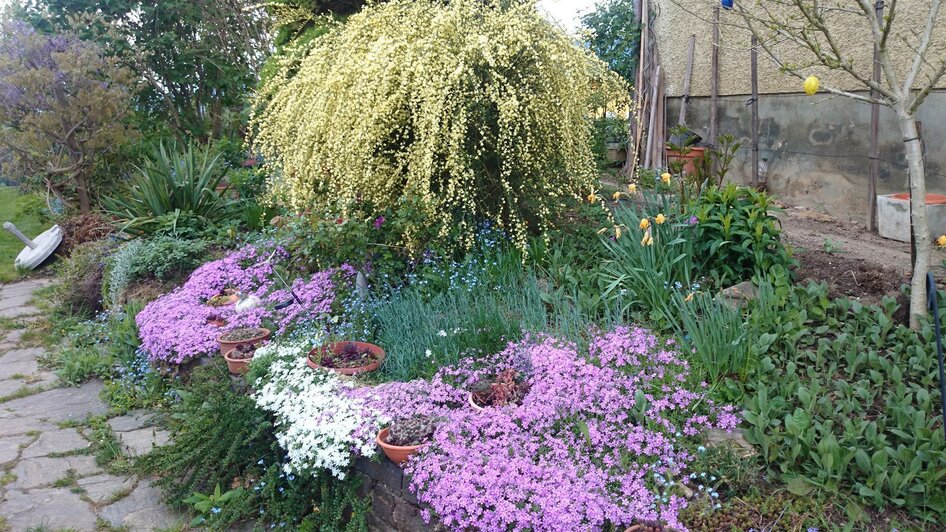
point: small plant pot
(237, 366)
(229, 345)
(336, 348)
(395, 453)
(690, 158)
(473, 405)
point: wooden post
(652, 127)
(874, 169)
(686, 81)
(714, 83)
(754, 66)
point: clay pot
(337, 347)
(396, 453)
(469, 399)
(690, 166)
(237, 366)
(227, 346)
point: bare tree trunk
(921, 228)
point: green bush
(162, 258)
(221, 438)
(737, 237)
(79, 290)
(846, 400)
(173, 193)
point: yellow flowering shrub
(467, 111)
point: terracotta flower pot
(469, 399)
(228, 345)
(237, 366)
(690, 166)
(396, 453)
(336, 348)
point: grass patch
(67, 481)
(18, 209)
(107, 448)
(7, 478)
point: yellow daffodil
(602, 230)
(660, 219)
(645, 223)
(647, 240)
(665, 178)
(811, 85)
(632, 188)
(941, 241)
(592, 198)
(616, 196)
(617, 231)
(689, 297)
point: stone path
(49, 478)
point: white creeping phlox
(317, 423)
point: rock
(36, 472)
(56, 441)
(141, 511)
(10, 447)
(734, 439)
(102, 488)
(61, 404)
(142, 441)
(51, 509)
(19, 362)
(738, 295)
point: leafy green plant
(845, 400)
(651, 259)
(174, 193)
(210, 504)
(736, 235)
(162, 258)
(716, 334)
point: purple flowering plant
(176, 327)
(600, 439)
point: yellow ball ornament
(811, 85)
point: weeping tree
(443, 114)
(63, 105)
(804, 37)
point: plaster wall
(817, 149)
(676, 20)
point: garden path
(49, 478)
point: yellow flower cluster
(469, 110)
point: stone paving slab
(102, 488)
(55, 441)
(36, 472)
(134, 420)
(142, 441)
(60, 404)
(52, 509)
(141, 511)
(11, 425)
(19, 362)
(10, 447)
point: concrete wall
(817, 149)
(676, 20)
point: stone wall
(817, 148)
(393, 506)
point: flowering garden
(417, 263)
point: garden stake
(934, 305)
(288, 287)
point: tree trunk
(82, 191)
(914, 154)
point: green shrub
(221, 438)
(737, 237)
(163, 258)
(846, 400)
(173, 193)
(716, 334)
(478, 110)
(79, 290)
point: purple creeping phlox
(174, 328)
(600, 439)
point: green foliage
(79, 290)
(614, 36)
(479, 111)
(645, 272)
(737, 237)
(174, 193)
(717, 336)
(163, 258)
(220, 438)
(607, 130)
(204, 504)
(847, 401)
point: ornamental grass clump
(441, 114)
